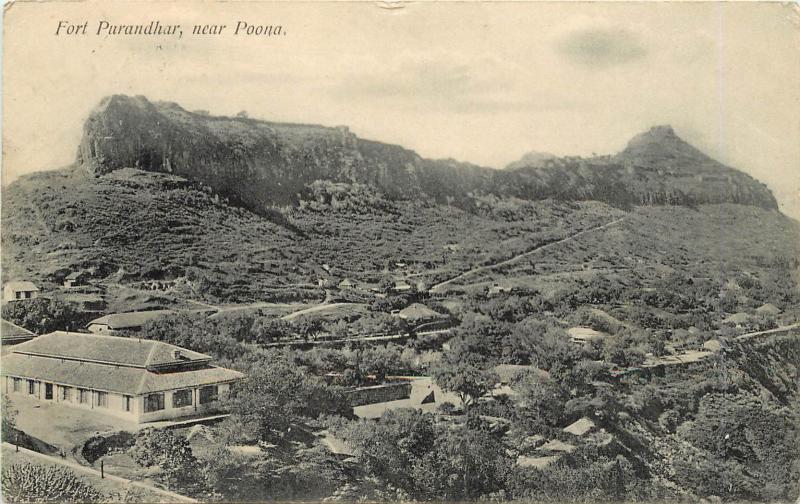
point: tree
(406, 449)
(43, 315)
(481, 342)
(307, 328)
(541, 401)
(172, 453)
(545, 344)
(269, 330)
(9, 415)
(276, 394)
(464, 464)
(386, 284)
(464, 379)
(27, 482)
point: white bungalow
(135, 379)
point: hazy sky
(477, 82)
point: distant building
(15, 291)
(347, 284)
(497, 289)
(75, 279)
(418, 313)
(133, 379)
(737, 319)
(580, 427)
(768, 309)
(401, 286)
(584, 335)
(132, 321)
(13, 334)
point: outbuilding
(19, 290)
(131, 321)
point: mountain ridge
(260, 164)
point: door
(48, 391)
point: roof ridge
(150, 354)
(99, 336)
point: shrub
(38, 483)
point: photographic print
(523, 252)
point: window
(102, 399)
(181, 398)
(31, 387)
(18, 295)
(208, 394)
(66, 393)
(153, 402)
(17, 384)
(127, 401)
(83, 396)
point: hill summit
(661, 143)
(260, 164)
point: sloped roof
(115, 350)
(418, 311)
(129, 320)
(12, 333)
(111, 378)
(585, 333)
(22, 286)
(537, 462)
(738, 318)
(75, 275)
(580, 427)
(768, 308)
(556, 445)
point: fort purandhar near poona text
(66, 28)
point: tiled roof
(418, 311)
(580, 427)
(123, 380)
(12, 333)
(129, 320)
(108, 349)
(22, 286)
(558, 446)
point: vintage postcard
(400, 252)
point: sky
(479, 82)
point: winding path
(781, 329)
(481, 269)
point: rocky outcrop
(656, 168)
(254, 163)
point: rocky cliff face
(260, 164)
(254, 163)
(657, 167)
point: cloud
(447, 81)
(602, 47)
